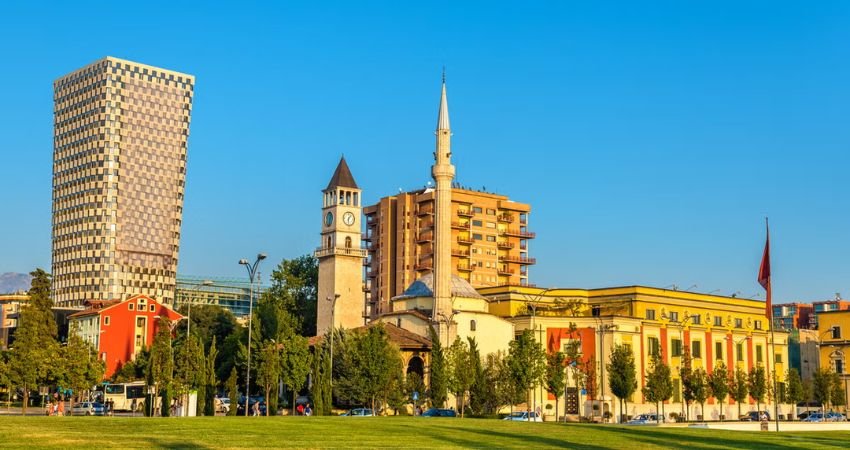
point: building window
(653, 346)
(106, 320)
(696, 349)
(491, 238)
(836, 333)
(696, 319)
(839, 366)
(758, 353)
(140, 322)
(347, 242)
(476, 210)
(477, 236)
(777, 358)
(757, 324)
(471, 325)
(131, 306)
(739, 323)
(477, 223)
(152, 308)
(675, 348)
(718, 350)
(491, 212)
(739, 352)
(650, 314)
(674, 316)
(718, 321)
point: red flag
(764, 273)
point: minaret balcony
(518, 259)
(322, 252)
(519, 233)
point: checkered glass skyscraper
(119, 172)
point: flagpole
(769, 305)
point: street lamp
(602, 328)
(252, 274)
(333, 328)
(448, 320)
(681, 325)
(189, 314)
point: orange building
(119, 330)
(489, 236)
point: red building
(119, 330)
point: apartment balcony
(518, 259)
(518, 233)
(460, 252)
(461, 225)
(429, 211)
(505, 271)
(465, 213)
(504, 244)
(367, 237)
(371, 274)
(321, 252)
(425, 237)
(426, 226)
(367, 287)
(422, 266)
(505, 217)
(465, 268)
(464, 240)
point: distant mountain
(12, 282)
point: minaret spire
(443, 172)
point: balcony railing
(425, 237)
(426, 226)
(321, 252)
(465, 213)
(464, 240)
(425, 211)
(506, 217)
(460, 225)
(519, 233)
(505, 271)
(505, 244)
(366, 236)
(465, 268)
(460, 252)
(518, 259)
(424, 266)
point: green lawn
(387, 432)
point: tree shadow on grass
(172, 443)
(699, 439)
(527, 440)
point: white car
(222, 405)
(524, 416)
(645, 419)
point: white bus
(122, 395)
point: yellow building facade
(711, 328)
(834, 345)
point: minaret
(443, 172)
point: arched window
(472, 325)
(329, 242)
(347, 242)
(348, 198)
(355, 200)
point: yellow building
(119, 171)
(489, 241)
(10, 308)
(711, 328)
(834, 336)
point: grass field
(378, 432)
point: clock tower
(340, 291)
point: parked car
(754, 416)
(88, 409)
(524, 416)
(359, 412)
(646, 419)
(828, 417)
(439, 412)
(805, 414)
(222, 404)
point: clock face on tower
(348, 218)
(329, 219)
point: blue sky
(651, 139)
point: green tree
(439, 374)
(160, 370)
(477, 391)
(700, 389)
(822, 387)
(189, 370)
(837, 396)
(232, 392)
(739, 388)
(35, 348)
(556, 376)
(659, 382)
(210, 379)
(793, 390)
(414, 383)
(462, 372)
(718, 384)
(370, 366)
(81, 368)
(757, 385)
(527, 363)
(622, 375)
(135, 369)
(294, 287)
(686, 371)
(294, 364)
(268, 372)
(320, 389)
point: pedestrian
(48, 410)
(300, 409)
(308, 411)
(256, 409)
(133, 405)
(61, 407)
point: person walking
(256, 409)
(308, 411)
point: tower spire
(443, 115)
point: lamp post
(602, 328)
(189, 314)
(252, 272)
(333, 328)
(681, 325)
(448, 320)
